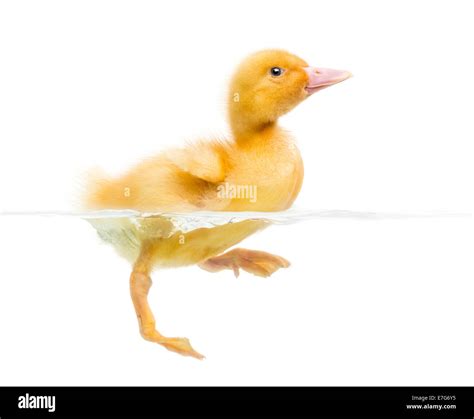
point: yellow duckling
(258, 169)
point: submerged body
(258, 169)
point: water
(354, 276)
(127, 230)
(200, 219)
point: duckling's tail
(102, 192)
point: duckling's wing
(181, 179)
(204, 160)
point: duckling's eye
(276, 71)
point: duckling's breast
(266, 178)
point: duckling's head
(270, 83)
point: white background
(105, 83)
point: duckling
(258, 169)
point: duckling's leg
(140, 283)
(254, 261)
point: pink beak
(319, 78)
